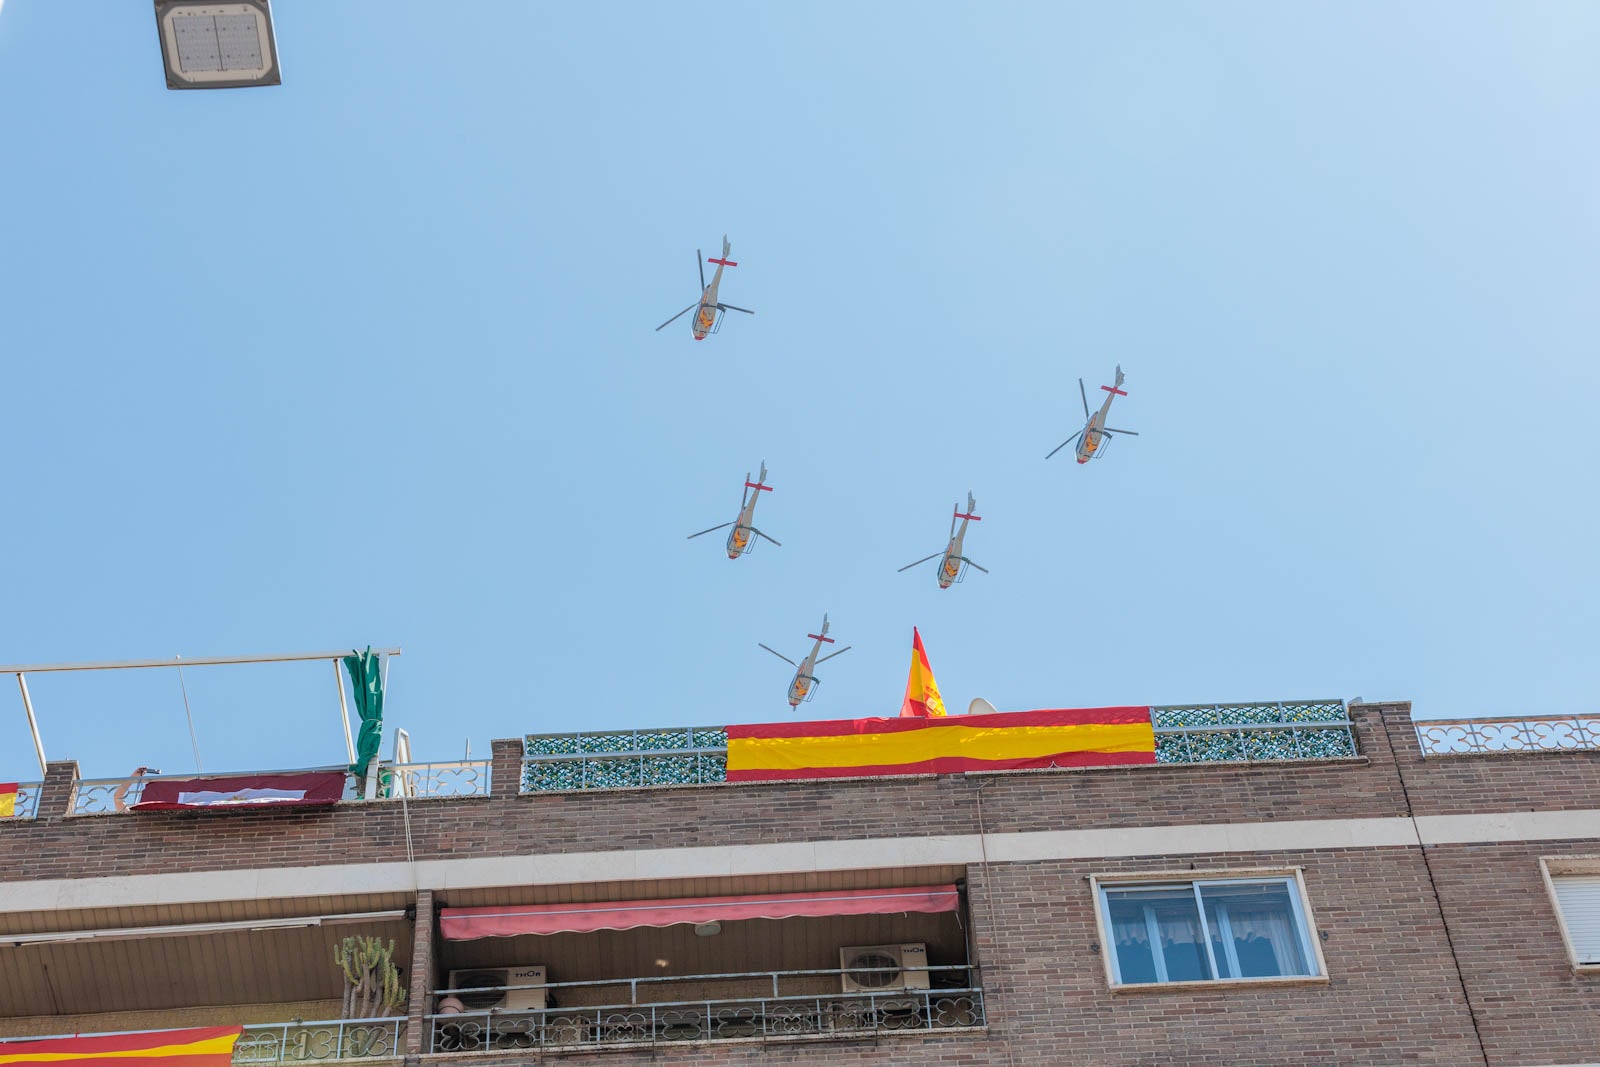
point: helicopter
(953, 568)
(1091, 439)
(739, 540)
(803, 686)
(708, 319)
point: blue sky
(368, 358)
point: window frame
(1551, 868)
(1292, 878)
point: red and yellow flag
(1007, 740)
(210, 1046)
(8, 799)
(922, 692)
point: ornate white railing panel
(457, 778)
(312, 1042)
(26, 804)
(1476, 737)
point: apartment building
(1294, 882)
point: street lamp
(207, 44)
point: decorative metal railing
(26, 803)
(1194, 733)
(691, 755)
(311, 1042)
(457, 778)
(1252, 733)
(828, 1015)
(1478, 737)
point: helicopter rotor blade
(830, 655)
(700, 260)
(780, 655)
(678, 316)
(919, 562)
(692, 536)
(730, 307)
(1085, 397)
(764, 537)
(1065, 443)
(1130, 433)
(972, 564)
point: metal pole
(344, 713)
(33, 724)
(192, 661)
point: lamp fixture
(206, 44)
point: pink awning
(468, 924)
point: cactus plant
(371, 980)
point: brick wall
(1395, 989)
(59, 846)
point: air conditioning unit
(501, 999)
(883, 968)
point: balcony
(649, 1011)
(1282, 731)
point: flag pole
(33, 724)
(344, 715)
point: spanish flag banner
(210, 1046)
(922, 692)
(8, 799)
(1007, 740)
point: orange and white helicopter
(708, 319)
(953, 568)
(1092, 438)
(803, 686)
(740, 540)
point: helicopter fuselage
(1093, 436)
(705, 316)
(950, 566)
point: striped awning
(468, 924)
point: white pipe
(130, 933)
(202, 661)
(344, 715)
(33, 723)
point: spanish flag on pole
(922, 692)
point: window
(1206, 930)
(1575, 888)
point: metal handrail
(1492, 736)
(323, 1040)
(26, 805)
(634, 983)
(351, 1039)
(808, 1015)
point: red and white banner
(302, 789)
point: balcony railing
(1195, 733)
(263, 1044)
(668, 1019)
(26, 804)
(1478, 737)
(457, 778)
